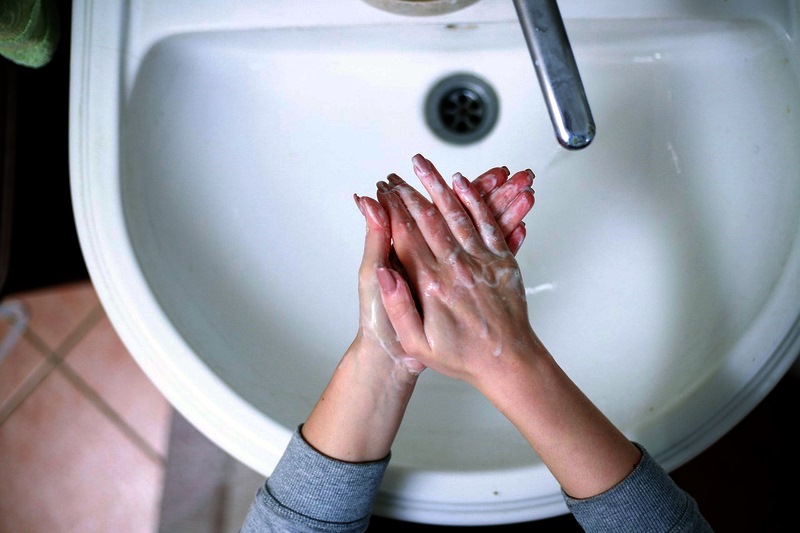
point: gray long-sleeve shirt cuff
(309, 491)
(647, 500)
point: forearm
(585, 452)
(357, 417)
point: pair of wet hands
(438, 284)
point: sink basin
(214, 152)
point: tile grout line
(75, 336)
(56, 360)
(39, 373)
(72, 340)
(110, 413)
(52, 358)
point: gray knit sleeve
(310, 492)
(647, 500)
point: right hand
(472, 313)
(472, 324)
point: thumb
(377, 244)
(402, 312)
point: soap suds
(378, 329)
(431, 288)
(458, 218)
(490, 277)
(490, 231)
(484, 331)
(542, 287)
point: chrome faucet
(557, 71)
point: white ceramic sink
(215, 151)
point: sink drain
(462, 109)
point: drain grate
(462, 109)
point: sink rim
(130, 304)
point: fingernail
(383, 186)
(460, 182)
(505, 169)
(386, 280)
(394, 179)
(530, 172)
(358, 204)
(421, 164)
(376, 215)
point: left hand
(375, 332)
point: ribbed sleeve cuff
(323, 489)
(647, 500)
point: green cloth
(29, 31)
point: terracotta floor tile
(20, 370)
(56, 311)
(19, 360)
(66, 468)
(103, 362)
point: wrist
(381, 364)
(515, 366)
(360, 411)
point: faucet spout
(557, 71)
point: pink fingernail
(521, 240)
(460, 182)
(358, 204)
(376, 215)
(394, 179)
(386, 280)
(421, 164)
